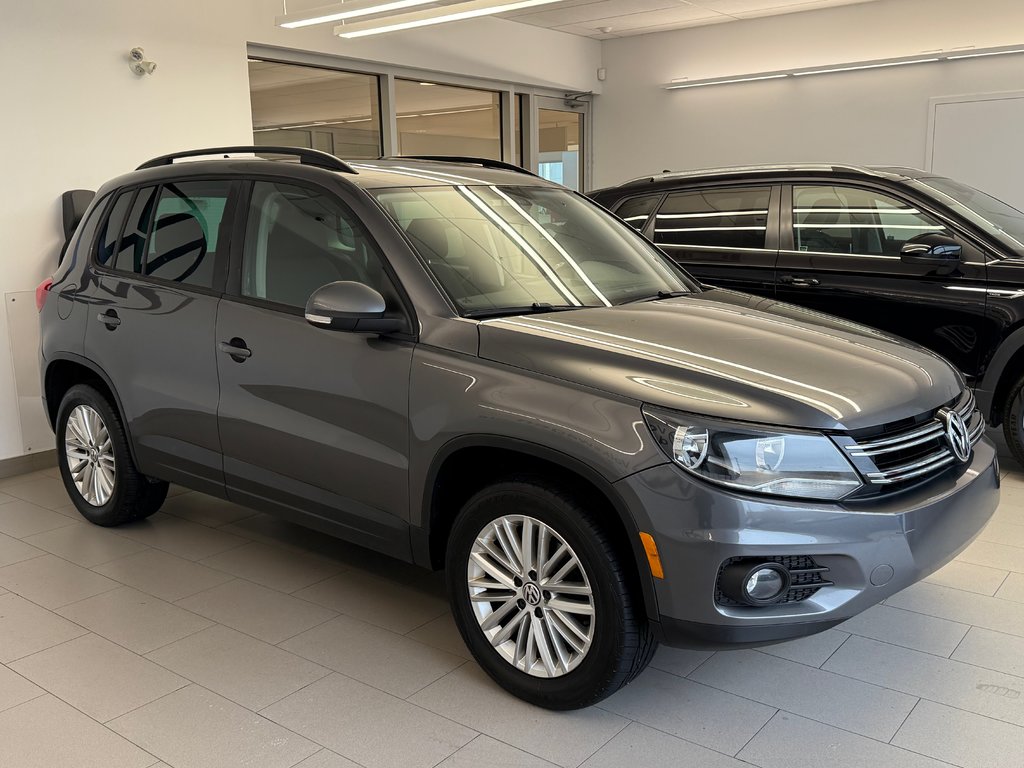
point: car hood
(729, 355)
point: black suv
(466, 366)
(914, 254)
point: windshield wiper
(660, 295)
(537, 308)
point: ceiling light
(343, 11)
(725, 81)
(976, 54)
(926, 58)
(442, 15)
(872, 65)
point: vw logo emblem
(957, 435)
(531, 593)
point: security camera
(139, 64)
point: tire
(122, 494)
(578, 674)
(1013, 414)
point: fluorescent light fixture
(725, 81)
(343, 11)
(442, 15)
(872, 65)
(976, 54)
(930, 57)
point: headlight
(803, 464)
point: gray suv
(453, 362)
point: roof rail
(481, 161)
(306, 156)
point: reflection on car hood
(729, 355)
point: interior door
(841, 256)
(313, 422)
(724, 236)
(562, 147)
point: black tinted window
(186, 230)
(726, 218)
(298, 240)
(112, 228)
(859, 221)
(132, 247)
(636, 211)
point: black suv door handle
(236, 349)
(109, 319)
(804, 282)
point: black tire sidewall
(587, 682)
(1012, 428)
(109, 513)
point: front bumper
(871, 548)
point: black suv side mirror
(350, 306)
(931, 248)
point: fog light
(755, 584)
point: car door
(725, 236)
(841, 255)
(313, 421)
(155, 283)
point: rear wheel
(96, 464)
(542, 598)
(1013, 420)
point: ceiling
(606, 19)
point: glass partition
(447, 120)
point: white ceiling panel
(619, 18)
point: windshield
(994, 216)
(494, 248)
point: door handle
(801, 282)
(109, 319)
(235, 349)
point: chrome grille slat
(892, 459)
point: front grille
(905, 452)
(806, 577)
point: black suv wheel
(542, 598)
(96, 464)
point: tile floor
(211, 636)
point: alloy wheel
(90, 455)
(531, 596)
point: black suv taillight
(42, 290)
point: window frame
(225, 235)
(233, 287)
(773, 223)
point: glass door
(561, 145)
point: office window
(447, 120)
(297, 106)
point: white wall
(74, 116)
(872, 117)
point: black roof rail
(306, 156)
(481, 161)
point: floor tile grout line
(764, 725)
(606, 742)
(904, 721)
(42, 692)
(441, 677)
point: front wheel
(542, 598)
(96, 464)
(1013, 420)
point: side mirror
(350, 306)
(932, 248)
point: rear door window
(111, 230)
(717, 218)
(186, 231)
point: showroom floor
(213, 636)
